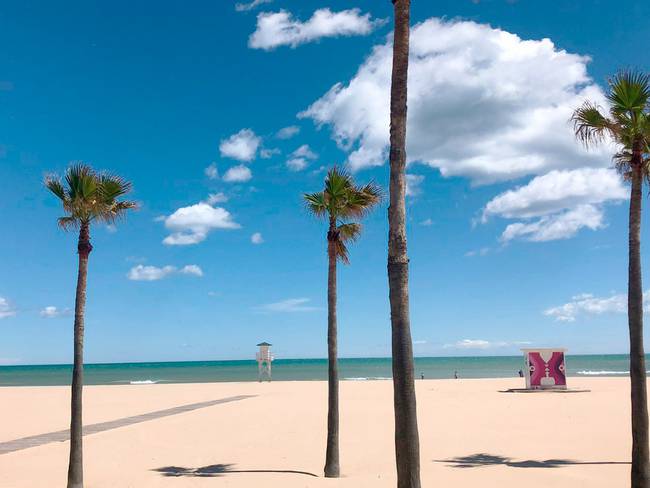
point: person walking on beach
(521, 374)
(455, 375)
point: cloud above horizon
(588, 304)
(289, 305)
(241, 146)
(558, 204)
(154, 273)
(483, 344)
(52, 312)
(275, 29)
(245, 7)
(483, 104)
(6, 309)
(191, 225)
(301, 158)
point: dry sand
(470, 435)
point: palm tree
(407, 443)
(87, 197)
(340, 201)
(627, 123)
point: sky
(223, 114)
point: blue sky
(516, 234)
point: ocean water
(357, 369)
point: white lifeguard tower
(264, 359)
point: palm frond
(88, 196)
(341, 251)
(316, 203)
(629, 92)
(591, 126)
(54, 185)
(349, 232)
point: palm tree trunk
(332, 468)
(640, 464)
(407, 444)
(75, 467)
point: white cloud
(483, 344)
(241, 146)
(245, 7)
(211, 171)
(287, 132)
(300, 158)
(276, 29)
(214, 198)
(51, 312)
(237, 174)
(413, 183)
(153, 273)
(6, 310)
(558, 226)
(289, 305)
(191, 269)
(426, 222)
(483, 104)
(111, 228)
(556, 191)
(257, 238)
(191, 225)
(588, 304)
(561, 201)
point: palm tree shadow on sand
(216, 470)
(482, 459)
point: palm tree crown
(340, 201)
(90, 196)
(627, 122)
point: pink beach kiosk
(545, 368)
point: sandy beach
(471, 434)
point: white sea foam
(362, 378)
(143, 382)
(601, 373)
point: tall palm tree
(627, 123)
(87, 197)
(407, 443)
(339, 202)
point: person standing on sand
(455, 375)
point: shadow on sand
(214, 470)
(482, 459)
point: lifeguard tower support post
(264, 359)
(545, 368)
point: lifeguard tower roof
(264, 344)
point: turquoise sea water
(297, 369)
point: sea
(350, 369)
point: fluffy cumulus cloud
(154, 273)
(288, 132)
(257, 238)
(558, 226)
(52, 312)
(588, 304)
(558, 204)
(300, 158)
(241, 146)
(483, 104)
(289, 305)
(191, 225)
(238, 174)
(276, 29)
(245, 7)
(6, 309)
